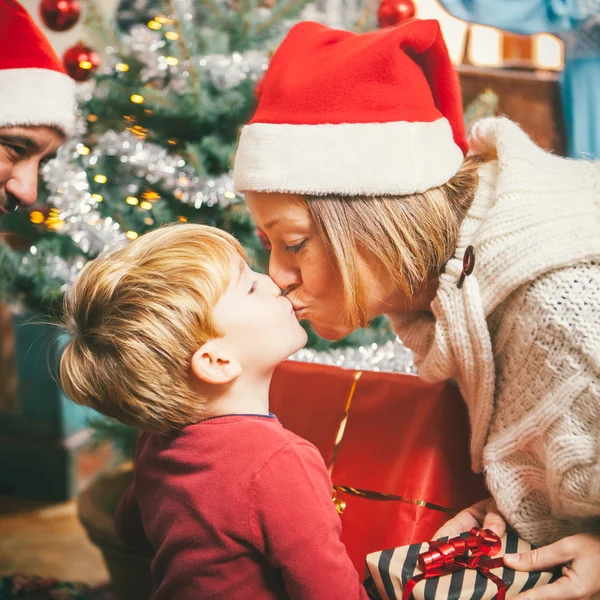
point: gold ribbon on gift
(369, 495)
(340, 505)
(342, 428)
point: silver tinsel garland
(69, 192)
(393, 356)
(224, 71)
(155, 165)
(77, 212)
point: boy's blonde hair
(410, 237)
(137, 316)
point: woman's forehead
(277, 210)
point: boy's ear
(212, 363)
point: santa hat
(348, 114)
(34, 89)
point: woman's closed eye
(297, 247)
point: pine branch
(217, 13)
(185, 52)
(278, 15)
(159, 98)
(95, 21)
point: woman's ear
(213, 363)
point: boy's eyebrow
(241, 271)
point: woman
(355, 166)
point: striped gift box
(388, 572)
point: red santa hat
(341, 113)
(34, 89)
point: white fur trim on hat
(395, 158)
(34, 96)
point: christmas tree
(157, 128)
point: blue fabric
(521, 16)
(580, 90)
(577, 23)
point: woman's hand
(580, 555)
(484, 514)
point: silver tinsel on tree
(392, 356)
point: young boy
(176, 335)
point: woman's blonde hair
(135, 319)
(410, 237)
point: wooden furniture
(529, 97)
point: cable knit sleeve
(542, 457)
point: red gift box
(402, 437)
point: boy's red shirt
(237, 507)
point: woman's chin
(329, 333)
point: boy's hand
(484, 514)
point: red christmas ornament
(60, 15)
(80, 61)
(392, 12)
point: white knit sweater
(522, 336)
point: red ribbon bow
(472, 552)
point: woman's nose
(284, 275)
